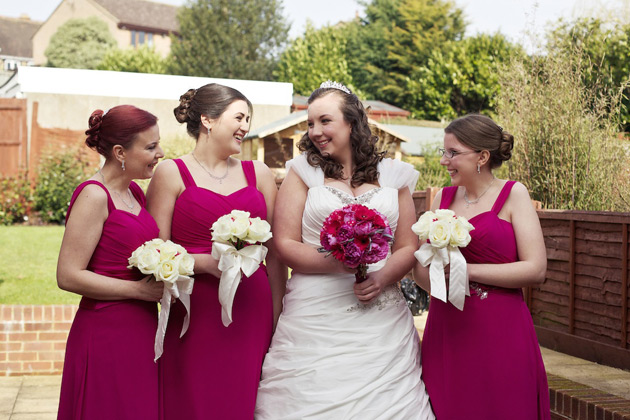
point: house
(15, 44)
(277, 142)
(131, 22)
(49, 107)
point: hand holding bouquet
(169, 263)
(446, 233)
(357, 236)
(237, 240)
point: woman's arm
(277, 272)
(164, 189)
(82, 234)
(402, 259)
(531, 267)
(288, 231)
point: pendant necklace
(218, 178)
(476, 200)
(130, 205)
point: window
(141, 38)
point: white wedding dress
(332, 358)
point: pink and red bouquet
(356, 236)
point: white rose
(460, 233)
(221, 229)
(186, 264)
(168, 251)
(239, 214)
(239, 227)
(440, 233)
(167, 271)
(444, 214)
(259, 231)
(148, 260)
(422, 226)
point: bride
(342, 350)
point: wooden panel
(13, 136)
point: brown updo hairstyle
(481, 133)
(210, 100)
(120, 125)
(362, 142)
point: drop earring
(478, 168)
(208, 130)
(123, 165)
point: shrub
(567, 149)
(432, 174)
(15, 198)
(60, 172)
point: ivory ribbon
(180, 289)
(438, 258)
(233, 263)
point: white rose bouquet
(237, 240)
(446, 233)
(169, 263)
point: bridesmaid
(484, 362)
(213, 371)
(109, 371)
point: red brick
(48, 313)
(22, 356)
(62, 326)
(22, 336)
(38, 312)
(3, 356)
(10, 366)
(58, 312)
(58, 367)
(38, 326)
(3, 336)
(17, 313)
(68, 313)
(38, 346)
(61, 345)
(54, 356)
(552, 399)
(6, 314)
(12, 326)
(28, 313)
(38, 366)
(14, 346)
(53, 336)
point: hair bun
(181, 112)
(506, 146)
(94, 123)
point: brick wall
(33, 338)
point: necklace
(218, 178)
(476, 200)
(130, 205)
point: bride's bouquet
(170, 263)
(357, 236)
(237, 240)
(446, 233)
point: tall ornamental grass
(568, 149)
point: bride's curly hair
(365, 155)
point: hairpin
(329, 84)
(500, 128)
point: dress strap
(250, 172)
(185, 173)
(110, 203)
(448, 193)
(138, 194)
(503, 196)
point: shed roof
(142, 14)
(15, 36)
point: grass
(28, 263)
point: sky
(513, 18)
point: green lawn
(28, 261)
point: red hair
(120, 125)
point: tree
(79, 44)
(229, 38)
(461, 79)
(319, 55)
(140, 60)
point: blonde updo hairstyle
(481, 133)
(210, 100)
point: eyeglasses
(450, 154)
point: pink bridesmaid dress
(484, 363)
(109, 372)
(213, 371)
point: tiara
(329, 84)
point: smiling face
(230, 128)
(144, 153)
(327, 128)
(463, 165)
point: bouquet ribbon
(180, 289)
(438, 258)
(233, 263)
